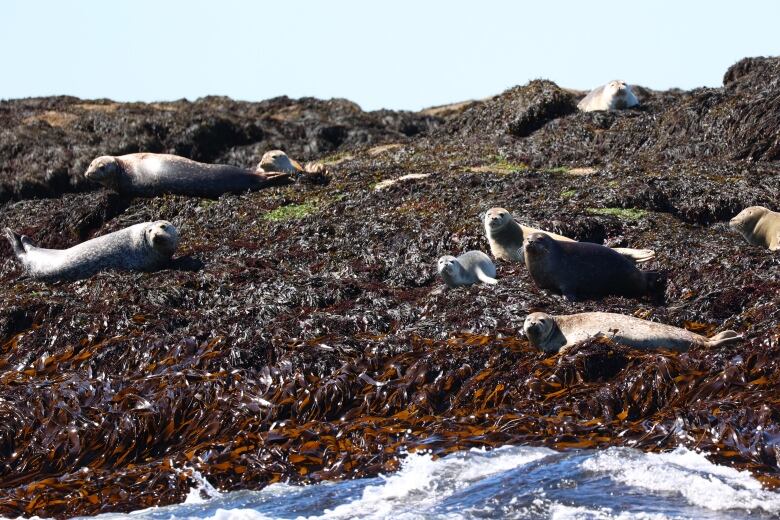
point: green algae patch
(567, 194)
(560, 170)
(291, 212)
(621, 213)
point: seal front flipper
(276, 178)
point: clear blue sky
(394, 54)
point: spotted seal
(580, 270)
(152, 174)
(558, 333)
(759, 225)
(278, 161)
(614, 95)
(506, 237)
(142, 247)
(469, 268)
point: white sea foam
(688, 474)
(423, 482)
(523, 483)
(564, 512)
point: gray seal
(615, 95)
(759, 225)
(579, 270)
(152, 174)
(506, 237)
(469, 268)
(558, 333)
(142, 247)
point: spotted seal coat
(142, 247)
(469, 268)
(558, 333)
(506, 237)
(152, 174)
(614, 95)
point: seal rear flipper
(16, 241)
(484, 278)
(638, 256)
(727, 337)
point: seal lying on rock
(558, 333)
(151, 174)
(467, 269)
(142, 247)
(278, 161)
(759, 225)
(582, 270)
(612, 96)
(506, 238)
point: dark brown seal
(152, 174)
(579, 270)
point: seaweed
(322, 347)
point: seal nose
(533, 327)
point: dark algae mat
(302, 334)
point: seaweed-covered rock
(303, 334)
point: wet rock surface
(302, 335)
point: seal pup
(759, 225)
(151, 174)
(469, 268)
(580, 270)
(558, 333)
(506, 238)
(142, 247)
(612, 96)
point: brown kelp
(303, 334)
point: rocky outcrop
(302, 336)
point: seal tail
(484, 278)
(655, 282)
(16, 240)
(727, 337)
(638, 256)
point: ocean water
(510, 482)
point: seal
(579, 270)
(558, 333)
(469, 268)
(142, 247)
(278, 161)
(506, 237)
(152, 174)
(612, 96)
(759, 225)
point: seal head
(759, 225)
(615, 95)
(163, 237)
(278, 161)
(539, 327)
(105, 170)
